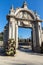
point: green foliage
(11, 48)
(1, 38)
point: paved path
(22, 58)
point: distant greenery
(1, 36)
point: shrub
(11, 48)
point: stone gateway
(22, 17)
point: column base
(37, 49)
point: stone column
(13, 30)
(39, 31)
(38, 36)
(16, 36)
(34, 38)
(10, 30)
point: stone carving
(25, 18)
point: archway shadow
(22, 49)
(29, 51)
(2, 52)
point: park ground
(22, 58)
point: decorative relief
(25, 23)
(24, 15)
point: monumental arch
(23, 17)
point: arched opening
(25, 38)
(25, 20)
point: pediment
(24, 15)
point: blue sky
(5, 6)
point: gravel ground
(22, 58)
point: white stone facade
(25, 18)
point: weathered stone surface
(25, 18)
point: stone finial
(12, 10)
(35, 12)
(24, 5)
(37, 16)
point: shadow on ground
(22, 49)
(24, 63)
(29, 51)
(21, 64)
(2, 51)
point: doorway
(25, 38)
